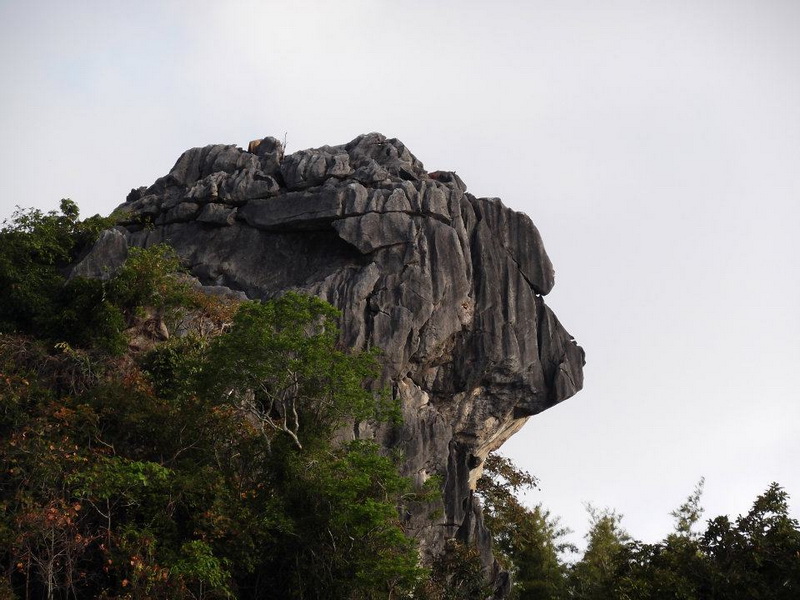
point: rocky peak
(448, 285)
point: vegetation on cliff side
(156, 442)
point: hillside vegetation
(157, 442)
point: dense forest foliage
(755, 556)
(158, 442)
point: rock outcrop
(448, 285)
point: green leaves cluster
(528, 542)
(280, 365)
(35, 248)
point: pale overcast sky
(656, 145)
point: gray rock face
(109, 252)
(448, 285)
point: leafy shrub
(146, 279)
(34, 249)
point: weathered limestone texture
(448, 285)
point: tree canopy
(757, 555)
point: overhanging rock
(448, 285)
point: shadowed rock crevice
(448, 285)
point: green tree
(758, 555)
(35, 248)
(672, 569)
(280, 365)
(595, 576)
(688, 514)
(280, 370)
(529, 542)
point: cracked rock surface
(448, 285)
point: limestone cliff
(448, 285)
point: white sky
(655, 144)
